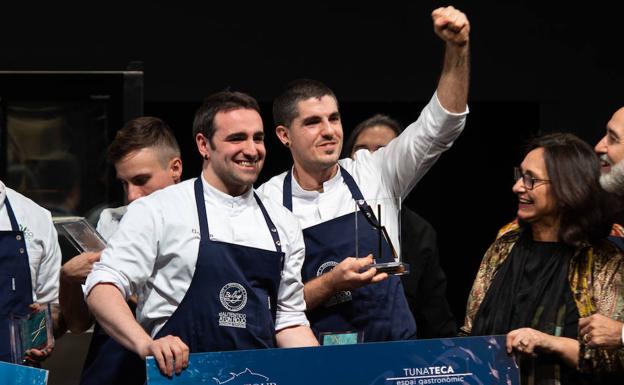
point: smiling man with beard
(611, 151)
(598, 330)
(215, 266)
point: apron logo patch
(339, 297)
(326, 267)
(233, 297)
(27, 233)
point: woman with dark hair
(551, 267)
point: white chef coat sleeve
(46, 285)
(291, 303)
(405, 160)
(129, 258)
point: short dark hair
(222, 101)
(375, 120)
(585, 209)
(144, 132)
(285, 105)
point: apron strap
(269, 222)
(369, 214)
(287, 191)
(14, 225)
(201, 210)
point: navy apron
(15, 281)
(231, 303)
(378, 311)
(108, 362)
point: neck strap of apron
(203, 219)
(14, 225)
(349, 181)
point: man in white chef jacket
(30, 260)
(342, 294)
(215, 266)
(146, 157)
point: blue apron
(379, 312)
(15, 281)
(108, 362)
(231, 303)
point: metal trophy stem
(396, 267)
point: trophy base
(341, 338)
(392, 268)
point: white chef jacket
(154, 252)
(44, 253)
(109, 221)
(390, 172)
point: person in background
(598, 330)
(146, 157)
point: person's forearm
(112, 312)
(453, 85)
(567, 349)
(73, 307)
(317, 291)
(296, 336)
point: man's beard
(613, 181)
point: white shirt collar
(219, 198)
(328, 186)
(2, 193)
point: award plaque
(378, 228)
(79, 233)
(33, 331)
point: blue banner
(12, 374)
(468, 360)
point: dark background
(535, 67)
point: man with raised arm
(341, 294)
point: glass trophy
(79, 233)
(378, 229)
(33, 331)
